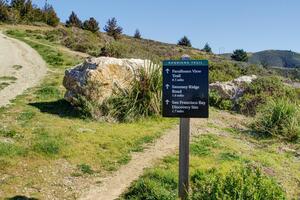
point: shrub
(261, 91)
(223, 71)
(137, 34)
(113, 29)
(239, 55)
(73, 21)
(87, 108)
(142, 99)
(4, 15)
(157, 184)
(244, 183)
(184, 42)
(207, 48)
(91, 25)
(217, 101)
(279, 118)
(50, 16)
(114, 49)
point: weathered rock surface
(232, 89)
(95, 78)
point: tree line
(237, 55)
(23, 11)
(111, 28)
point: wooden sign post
(185, 95)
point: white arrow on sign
(167, 70)
(167, 102)
(167, 86)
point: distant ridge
(273, 58)
(276, 58)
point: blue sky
(253, 25)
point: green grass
(46, 130)
(203, 145)
(4, 85)
(11, 150)
(7, 133)
(85, 169)
(7, 78)
(6, 81)
(46, 144)
(221, 157)
(17, 67)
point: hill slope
(276, 58)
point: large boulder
(232, 89)
(96, 77)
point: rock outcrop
(232, 89)
(95, 78)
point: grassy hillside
(224, 145)
(276, 58)
(96, 44)
(46, 145)
(272, 58)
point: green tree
(207, 48)
(239, 55)
(73, 21)
(17, 4)
(184, 42)
(26, 11)
(38, 15)
(4, 15)
(50, 15)
(137, 34)
(113, 29)
(91, 25)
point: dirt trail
(113, 186)
(22, 65)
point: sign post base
(184, 149)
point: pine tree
(113, 29)
(207, 48)
(17, 4)
(27, 11)
(137, 34)
(74, 21)
(91, 25)
(50, 15)
(240, 55)
(184, 42)
(4, 16)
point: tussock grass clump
(85, 169)
(280, 118)
(142, 99)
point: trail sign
(185, 88)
